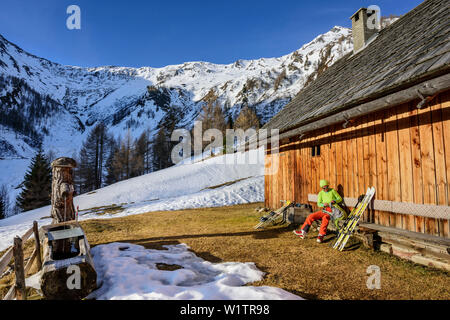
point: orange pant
(318, 216)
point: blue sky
(158, 33)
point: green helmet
(323, 183)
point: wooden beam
(381, 167)
(27, 235)
(428, 163)
(439, 160)
(11, 294)
(445, 106)
(366, 161)
(409, 234)
(416, 158)
(19, 271)
(30, 262)
(37, 245)
(5, 259)
(405, 156)
(45, 228)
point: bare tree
(247, 119)
(161, 150)
(92, 158)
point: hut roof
(413, 49)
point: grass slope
(302, 267)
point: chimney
(365, 25)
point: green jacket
(327, 197)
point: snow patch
(130, 272)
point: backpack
(337, 213)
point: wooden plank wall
(404, 152)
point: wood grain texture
(19, 271)
(439, 160)
(445, 106)
(404, 153)
(428, 167)
(405, 156)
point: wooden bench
(418, 247)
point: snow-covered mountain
(139, 98)
(44, 101)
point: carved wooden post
(65, 244)
(62, 190)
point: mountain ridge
(109, 92)
(44, 101)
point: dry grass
(229, 183)
(168, 267)
(303, 267)
(111, 209)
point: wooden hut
(380, 116)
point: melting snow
(128, 271)
(184, 186)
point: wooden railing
(18, 290)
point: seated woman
(326, 198)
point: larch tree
(112, 174)
(247, 119)
(161, 150)
(92, 160)
(122, 160)
(140, 155)
(212, 117)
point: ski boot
(300, 233)
(320, 238)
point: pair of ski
(273, 216)
(352, 220)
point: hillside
(209, 183)
(139, 98)
(44, 101)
